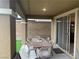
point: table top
(40, 44)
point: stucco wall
(21, 31)
(5, 37)
(53, 32)
(38, 29)
(4, 4)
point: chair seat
(44, 52)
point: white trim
(75, 36)
(75, 11)
(21, 21)
(43, 20)
(40, 20)
(67, 13)
(7, 12)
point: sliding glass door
(63, 33)
(66, 33)
(59, 31)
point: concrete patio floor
(32, 55)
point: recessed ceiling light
(44, 9)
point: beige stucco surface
(38, 29)
(21, 31)
(4, 37)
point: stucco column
(7, 29)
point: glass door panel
(59, 31)
(66, 33)
(63, 32)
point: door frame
(75, 32)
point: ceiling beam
(39, 17)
